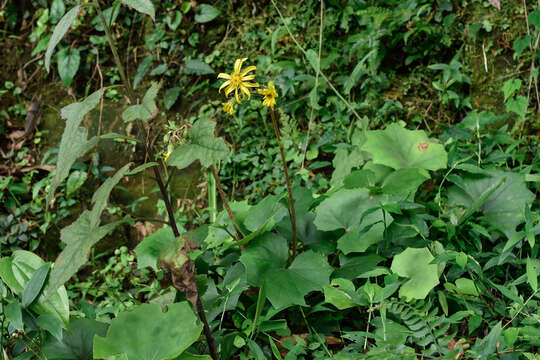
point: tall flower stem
(224, 200)
(159, 179)
(287, 180)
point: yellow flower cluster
(239, 83)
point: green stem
(287, 181)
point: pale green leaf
(510, 87)
(205, 13)
(414, 264)
(203, 146)
(197, 67)
(82, 234)
(146, 109)
(59, 31)
(149, 249)
(74, 141)
(399, 148)
(142, 6)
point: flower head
(167, 154)
(238, 80)
(270, 94)
(228, 107)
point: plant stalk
(162, 188)
(287, 180)
(225, 202)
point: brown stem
(225, 202)
(287, 180)
(207, 331)
(159, 179)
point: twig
(310, 124)
(287, 180)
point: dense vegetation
(340, 179)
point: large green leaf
(358, 213)
(147, 333)
(146, 108)
(505, 196)
(82, 234)
(399, 148)
(142, 6)
(77, 342)
(264, 255)
(339, 211)
(59, 31)
(414, 264)
(203, 146)
(74, 141)
(16, 272)
(308, 272)
(205, 13)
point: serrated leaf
(160, 335)
(203, 146)
(197, 67)
(171, 95)
(74, 141)
(142, 70)
(510, 87)
(75, 180)
(59, 31)
(82, 234)
(414, 264)
(313, 59)
(205, 13)
(146, 108)
(308, 272)
(399, 148)
(142, 6)
(518, 106)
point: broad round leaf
(399, 148)
(147, 333)
(414, 264)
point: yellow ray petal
(247, 84)
(249, 77)
(224, 76)
(248, 69)
(226, 83)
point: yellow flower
(238, 80)
(228, 107)
(166, 155)
(270, 94)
